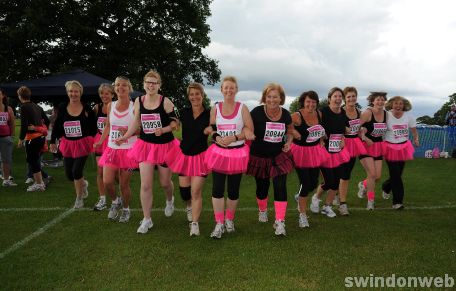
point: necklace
(273, 115)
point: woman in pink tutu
(397, 146)
(114, 160)
(333, 120)
(188, 159)
(373, 128)
(75, 127)
(106, 92)
(307, 149)
(157, 118)
(269, 153)
(227, 158)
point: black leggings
(308, 180)
(33, 151)
(394, 183)
(74, 167)
(218, 185)
(331, 177)
(280, 188)
(347, 169)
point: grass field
(46, 245)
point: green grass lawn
(83, 250)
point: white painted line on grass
(290, 208)
(36, 233)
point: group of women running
(266, 143)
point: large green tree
(439, 116)
(108, 38)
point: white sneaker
(386, 195)
(361, 190)
(124, 216)
(78, 203)
(327, 210)
(85, 189)
(114, 210)
(229, 226)
(263, 216)
(303, 221)
(145, 225)
(315, 204)
(29, 181)
(218, 231)
(398, 206)
(370, 205)
(169, 209)
(189, 214)
(343, 210)
(8, 183)
(36, 187)
(336, 200)
(279, 226)
(101, 204)
(194, 229)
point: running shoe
(85, 189)
(189, 214)
(218, 231)
(263, 216)
(8, 183)
(370, 205)
(279, 226)
(315, 204)
(336, 200)
(303, 221)
(124, 216)
(343, 210)
(386, 195)
(114, 210)
(398, 206)
(29, 181)
(145, 225)
(327, 210)
(361, 190)
(194, 229)
(78, 203)
(36, 187)
(169, 209)
(229, 226)
(101, 204)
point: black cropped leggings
(218, 185)
(74, 167)
(280, 188)
(308, 180)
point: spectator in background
(450, 120)
(33, 133)
(7, 132)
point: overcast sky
(404, 47)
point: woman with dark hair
(33, 131)
(333, 120)
(373, 128)
(75, 127)
(307, 149)
(269, 153)
(7, 133)
(188, 159)
(397, 146)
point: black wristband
(214, 127)
(214, 136)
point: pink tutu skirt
(266, 168)
(337, 159)
(227, 160)
(117, 158)
(76, 148)
(99, 150)
(398, 152)
(355, 147)
(375, 150)
(308, 156)
(189, 166)
(152, 153)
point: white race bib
(226, 129)
(101, 122)
(354, 126)
(335, 142)
(72, 128)
(4, 118)
(116, 132)
(400, 131)
(274, 132)
(379, 129)
(315, 133)
(150, 122)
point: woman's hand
(53, 148)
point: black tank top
(151, 119)
(304, 130)
(353, 125)
(376, 129)
(334, 124)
